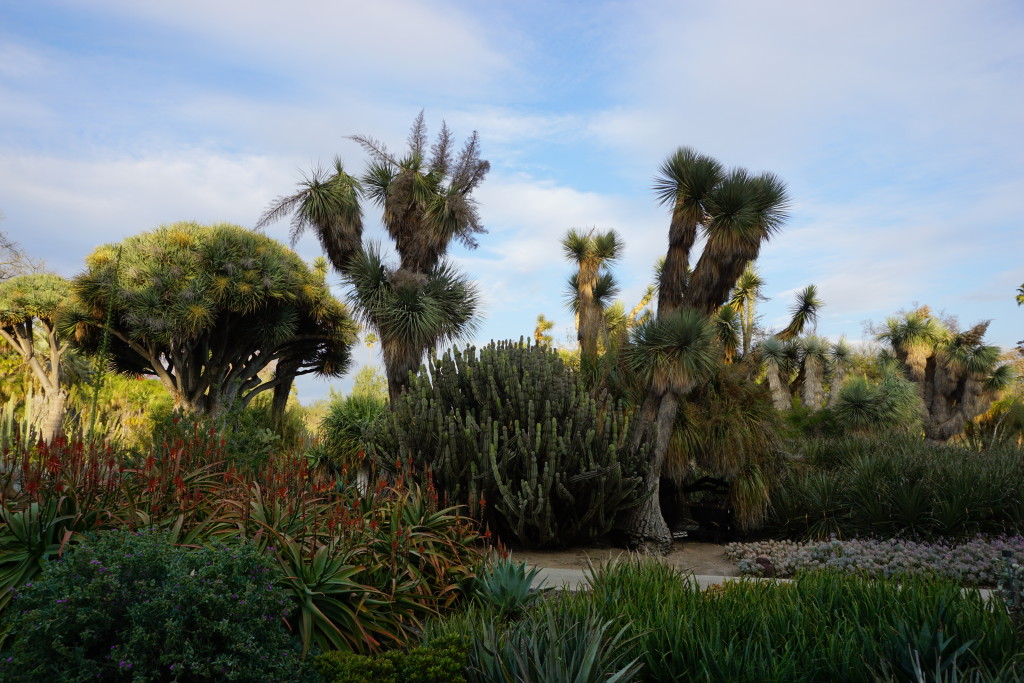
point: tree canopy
(210, 310)
(426, 196)
(30, 304)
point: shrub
(246, 436)
(506, 586)
(361, 569)
(977, 562)
(441, 661)
(819, 627)
(900, 487)
(132, 606)
(345, 430)
(560, 639)
(512, 433)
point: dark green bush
(125, 606)
(441, 661)
(512, 433)
(900, 487)
(345, 431)
(246, 435)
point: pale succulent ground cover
(979, 561)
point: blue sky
(899, 128)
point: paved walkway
(575, 579)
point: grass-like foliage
(1011, 590)
(563, 638)
(819, 627)
(976, 562)
(126, 606)
(900, 487)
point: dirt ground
(700, 558)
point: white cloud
(421, 46)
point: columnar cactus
(510, 432)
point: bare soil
(707, 559)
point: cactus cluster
(509, 431)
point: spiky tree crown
(26, 297)
(186, 284)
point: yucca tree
(745, 211)
(803, 313)
(1020, 295)
(736, 213)
(745, 296)
(540, 332)
(593, 253)
(411, 312)
(814, 352)
(957, 375)
(426, 198)
(777, 357)
(671, 354)
(29, 307)
(685, 183)
(840, 357)
(728, 330)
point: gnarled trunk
(646, 528)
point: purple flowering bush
(125, 606)
(975, 562)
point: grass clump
(819, 627)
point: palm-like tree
(776, 356)
(328, 204)
(736, 213)
(671, 353)
(957, 375)
(592, 284)
(803, 313)
(745, 211)
(815, 353)
(745, 296)
(685, 183)
(540, 335)
(426, 196)
(1020, 295)
(841, 356)
(727, 325)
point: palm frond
(674, 351)
(802, 313)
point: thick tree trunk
(53, 415)
(399, 361)
(682, 234)
(279, 404)
(646, 528)
(590, 315)
(812, 390)
(780, 393)
(838, 376)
